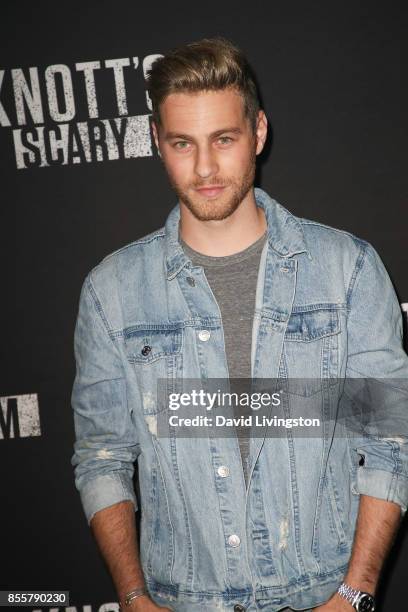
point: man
(234, 286)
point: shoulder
(323, 233)
(326, 242)
(130, 257)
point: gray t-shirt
(233, 280)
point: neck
(219, 238)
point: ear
(261, 131)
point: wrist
(341, 603)
(131, 599)
(361, 583)
(138, 604)
(356, 598)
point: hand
(336, 603)
(145, 604)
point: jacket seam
(361, 258)
(144, 240)
(304, 221)
(98, 306)
(311, 579)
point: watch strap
(355, 597)
(350, 594)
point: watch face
(366, 604)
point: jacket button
(223, 471)
(191, 281)
(234, 540)
(239, 608)
(146, 350)
(204, 334)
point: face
(209, 150)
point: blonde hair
(207, 64)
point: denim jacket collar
(285, 233)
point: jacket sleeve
(376, 354)
(106, 445)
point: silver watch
(360, 600)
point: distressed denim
(325, 309)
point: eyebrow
(234, 130)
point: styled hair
(207, 64)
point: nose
(206, 164)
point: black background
(333, 82)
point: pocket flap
(312, 323)
(145, 345)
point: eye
(181, 145)
(225, 140)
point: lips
(210, 191)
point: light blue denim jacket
(325, 309)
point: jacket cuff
(106, 490)
(390, 486)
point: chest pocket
(311, 348)
(156, 357)
(148, 345)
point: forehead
(205, 111)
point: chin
(213, 211)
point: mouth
(210, 191)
